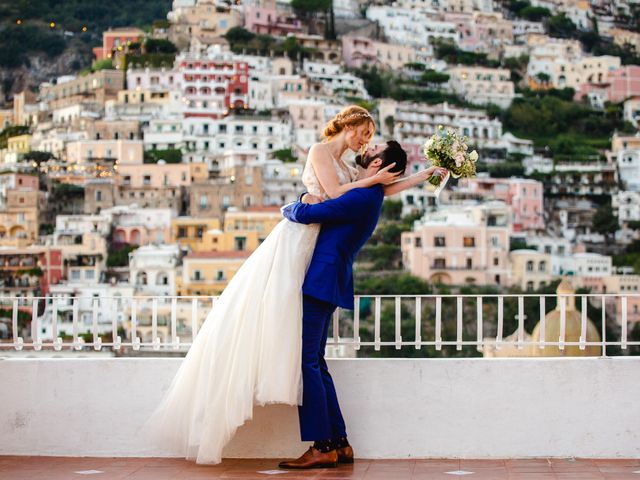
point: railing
(434, 321)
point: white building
(482, 85)
(334, 80)
(78, 225)
(592, 264)
(153, 269)
(102, 300)
(153, 79)
(627, 205)
(416, 122)
(412, 27)
(164, 133)
(281, 182)
(628, 161)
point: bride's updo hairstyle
(351, 116)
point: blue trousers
(320, 416)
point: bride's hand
(431, 171)
(311, 199)
(385, 177)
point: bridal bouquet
(446, 149)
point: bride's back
(312, 184)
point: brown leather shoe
(345, 454)
(313, 458)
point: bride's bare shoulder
(319, 154)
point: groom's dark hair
(393, 153)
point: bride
(249, 348)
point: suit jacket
(347, 223)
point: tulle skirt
(247, 353)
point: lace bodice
(312, 184)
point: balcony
(396, 408)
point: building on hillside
(99, 87)
(212, 83)
(208, 273)
(482, 85)
(530, 269)
(152, 269)
(460, 245)
(116, 39)
(524, 196)
(19, 209)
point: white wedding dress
(249, 347)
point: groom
(347, 223)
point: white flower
(473, 156)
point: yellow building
(243, 231)
(207, 273)
(191, 232)
(19, 143)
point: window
(220, 276)
(197, 275)
(75, 274)
(146, 180)
(240, 243)
(439, 263)
(469, 241)
(542, 266)
(203, 202)
(89, 274)
(222, 128)
(530, 266)
(469, 263)
(439, 241)
(199, 232)
(529, 286)
(182, 232)
(496, 261)
(418, 242)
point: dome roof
(573, 325)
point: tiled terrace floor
(58, 468)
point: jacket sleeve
(344, 209)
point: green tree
(285, 155)
(159, 45)
(605, 221)
(118, 255)
(432, 76)
(171, 155)
(561, 26)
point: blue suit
(347, 223)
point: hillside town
(159, 170)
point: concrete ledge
(394, 408)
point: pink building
(621, 84)
(213, 83)
(267, 20)
(116, 38)
(460, 245)
(624, 83)
(469, 38)
(358, 51)
(524, 196)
